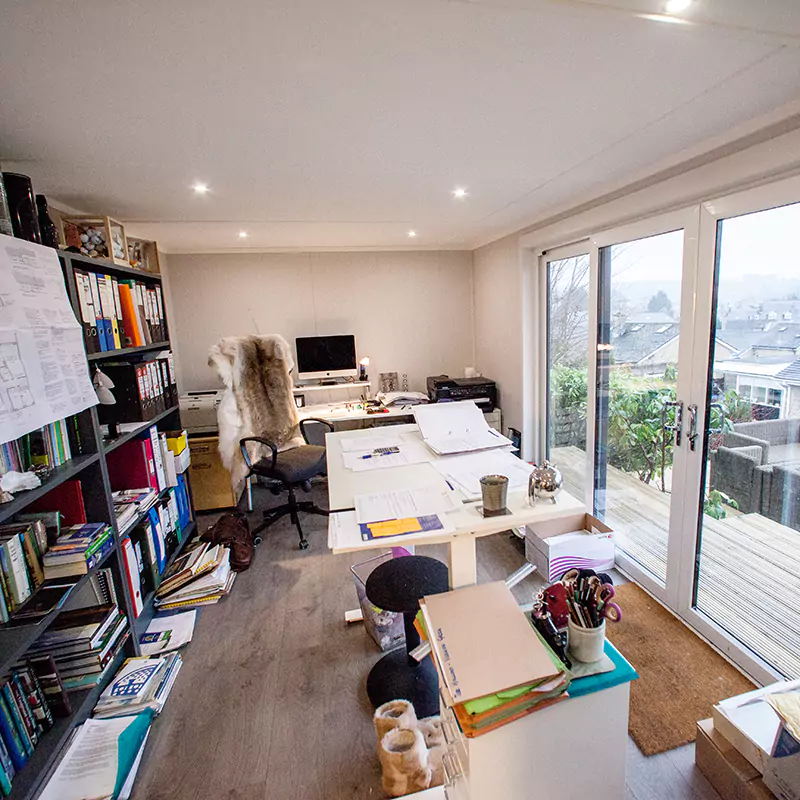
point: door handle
(692, 435)
(677, 426)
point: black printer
(482, 391)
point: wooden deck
(749, 573)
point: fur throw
(257, 400)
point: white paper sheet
(457, 428)
(410, 453)
(403, 504)
(44, 375)
(90, 767)
(371, 441)
(465, 471)
(180, 627)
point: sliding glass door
(645, 275)
(745, 592)
(567, 345)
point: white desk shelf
(318, 387)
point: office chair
(291, 470)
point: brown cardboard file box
(727, 770)
(211, 482)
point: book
(167, 632)
(101, 759)
(152, 696)
(8, 730)
(186, 567)
(78, 626)
(67, 499)
(44, 667)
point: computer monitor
(326, 357)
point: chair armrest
(260, 440)
(303, 423)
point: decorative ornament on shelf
(102, 387)
(388, 382)
(545, 481)
(362, 368)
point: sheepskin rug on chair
(257, 400)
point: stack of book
(47, 447)
(25, 716)
(201, 576)
(141, 683)
(78, 549)
(83, 643)
(22, 547)
(130, 503)
(493, 666)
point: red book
(66, 498)
(131, 466)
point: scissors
(603, 594)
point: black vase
(47, 228)
(22, 206)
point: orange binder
(129, 322)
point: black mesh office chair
(291, 470)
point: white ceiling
(342, 124)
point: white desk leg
(463, 562)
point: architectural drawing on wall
(15, 390)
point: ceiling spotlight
(243, 234)
(200, 188)
(412, 234)
(459, 192)
(677, 6)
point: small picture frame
(389, 382)
(300, 400)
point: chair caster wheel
(257, 541)
(303, 544)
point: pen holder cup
(587, 644)
(494, 494)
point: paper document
(168, 632)
(99, 759)
(465, 471)
(404, 504)
(409, 453)
(370, 441)
(457, 428)
(44, 375)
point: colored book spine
(11, 737)
(16, 716)
(6, 762)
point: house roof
(737, 367)
(639, 337)
(790, 374)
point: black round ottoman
(398, 585)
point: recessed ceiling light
(676, 6)
(243, 234)
(200, 188)
(459, 192)
(412, 234)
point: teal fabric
(621, 673)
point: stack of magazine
(201, 576)
(141, 683)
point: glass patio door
(747, 547)
(641, 372)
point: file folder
(100, 321)
(88, 318)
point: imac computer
(326, 357)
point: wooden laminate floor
(270, 703)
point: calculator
(385, 451)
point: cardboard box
(579, 541)
(733, 777)
(750, 724)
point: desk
(469, 523)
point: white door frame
(687, 221)
(711, 213)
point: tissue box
(575, 542)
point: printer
(199, 410)
(482, 391)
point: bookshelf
(90, 467)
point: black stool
(398, 585)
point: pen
(452, 488)
(494, 433)
(377, 455)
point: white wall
(410, 311)
(500, 267)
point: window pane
(567, 353)
(637, 357)
(748, 573)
